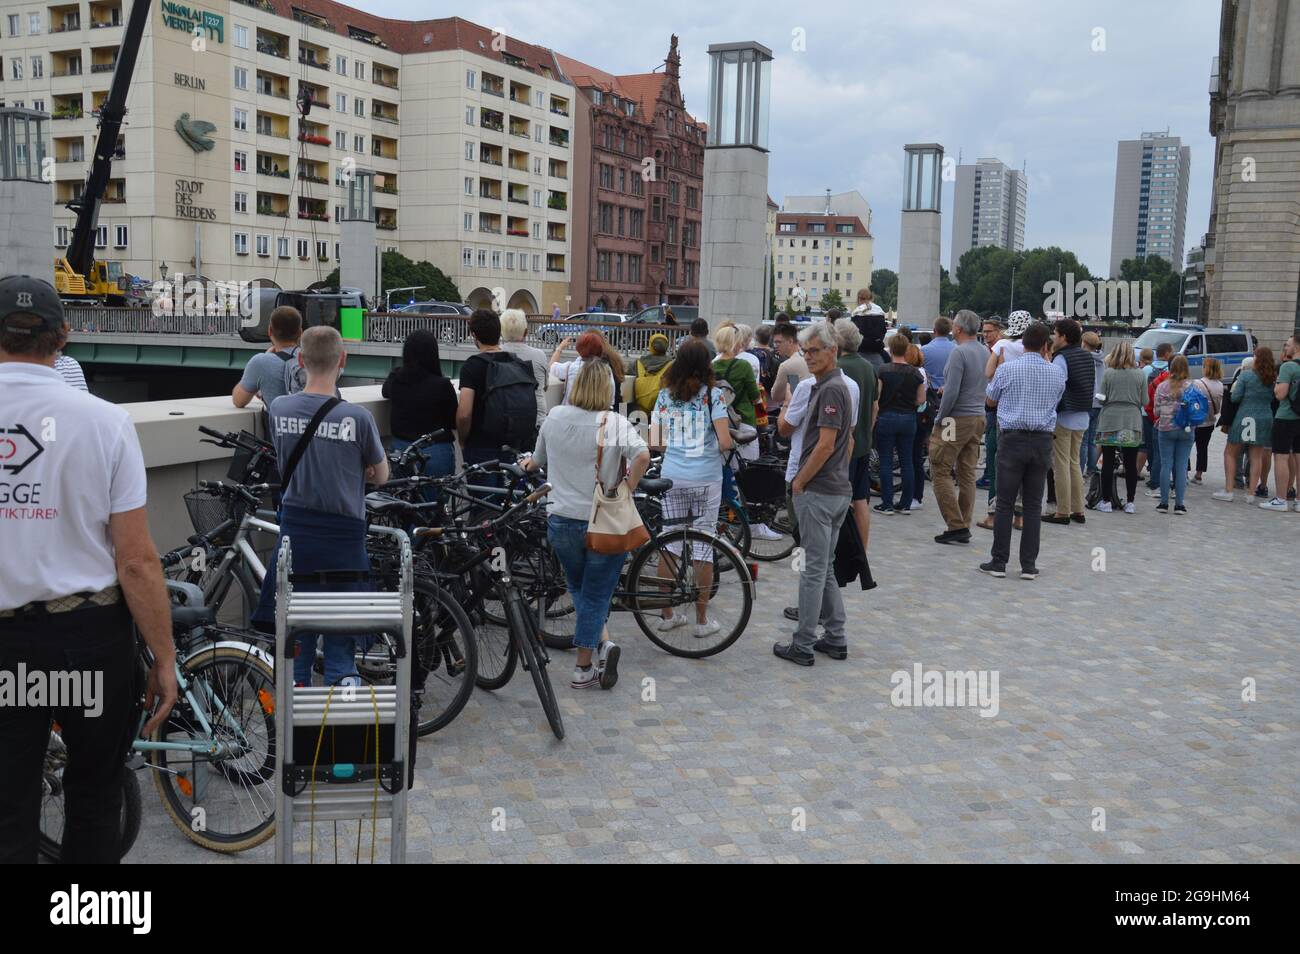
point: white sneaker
(761, 531)
(1277, 503)
(1103, 506)
(672, 623)
(588, 678)
(916, 505)
(706, 629)
(1129, 508)
(607, 663)
(1153, 493)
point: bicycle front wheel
(524, 632)
(53, 806)
(223, 802)
(446, 657)
(668, 595)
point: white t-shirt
(69, 461)
(752, 361)
(1010, 349)
(567, 371)
(794, 414)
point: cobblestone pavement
(1121, 680)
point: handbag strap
(300, 448)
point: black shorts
(860, 477)
(1286, 436)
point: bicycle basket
(761, 484)
(685, 505)
(209, 509)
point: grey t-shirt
(264, 375)
(964, 381)
(331, 475)
(829, 405)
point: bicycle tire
(733, 525)
(532, 651)
(454, 621)
(168, 782)
(50, 847)
(776, 519)
(497, 653)
(645, 610)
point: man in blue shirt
(1026, 392)
(936, 352)
(264, 374)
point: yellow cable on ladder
(320, 737)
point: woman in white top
(568, 440)
(591, 346)
(1211, 382)
(745, 339)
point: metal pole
(1012, 306)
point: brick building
(636, 238)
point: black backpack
(766, 367)
(510, 402)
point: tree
(1165, 283)
(832, 299)
(884, 288)
(985, 275)
(947, 293)
(398, 271)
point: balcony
(489, 224)
(312, 20)
(65, 63)
(519, 127)
(517, 226)
(309, 54)
(381, 147)
(314, 133)
(558, 201)
(273, 125)
(559, 106)
(116, 192)
(67, 107)
(493, 85)
(556, 232)
(518, 160)
(519, 93)
(491, 119)
(273, 205)
(560, 137)
(489, 189)
(103, 59)
(65, 19)
(382, 111)
(386, 184)
(555, 263)
(310, 175)
(386, 220)
(383, 76)
(313, 210)
(490, 155)
(273, 44)
(272, 84)
(105, 14)
(319, 96)
(558, 169)
(277, 167)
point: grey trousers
(819, 516)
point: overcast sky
(1015, 79)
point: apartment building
(990, 203)
(1151, 176)
(638, 189)
(246, 119)
(822, 243)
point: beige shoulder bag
(614, 526)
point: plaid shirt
(1027, 391)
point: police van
(1229, 345)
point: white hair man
(821, 494)
(328, 451)
(514, 326)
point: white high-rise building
(1151, 176)
(989, 208)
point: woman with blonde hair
(1211, 382)
(1175, 441)
(1122, 393)
(569, 439)
(740, 375)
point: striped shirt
(70, 371)
(1027, 392)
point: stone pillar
(26, 198)
(357, 242)
(918, 251)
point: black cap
(24, 295)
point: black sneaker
(884, 508)
(787, 652)
(1029, 572)
(1056, 518)
(835, 652)
(1162, 508)
(951, 537)
(1262, 492)
(791, 613)
(993, 568)
(1180, 510)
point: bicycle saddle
(654, 485)
(381, 505)
(188, 611)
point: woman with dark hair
(1211, 382)
(689, 424)
(1253, 425)
(423, 400)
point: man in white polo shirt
(77, 563)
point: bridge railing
(381, 327)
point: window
(469, 115)
(359, 107)
(496, 259)
(537, 198)
(241, 78)
(359, 144)
(241, 163)
(359, 70)
(241, 202)
(537, 230)
(241, 243)
(120, 235)
(264, 246)
(602, 266)
(241, 36)
(467, 257)
(34, 24)
(469, 84)
(13, 31)
(537, 263)
(510, 261)
(302, 248)
(60, 233)
(469, 221)
(634, 268)
(635, 222)
(282, 246)
(537, 132)
(469, 185)
(38, 105)
(341, 65)
(16, 69)
(341, 139)
(482, 258)
(323, 251)
(537, 165)
(341, 102)
(605, 217)
(469, 150)
(241, 119)
(38, 67)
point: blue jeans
(1151, 444)
(1175, 451)
(441, 462)
(896, 429)
(1088, 451)
(591, 576)
(920, 444)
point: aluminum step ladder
(341, 790)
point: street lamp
(1012, 306)
(162, 267)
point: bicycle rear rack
(338, 790)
